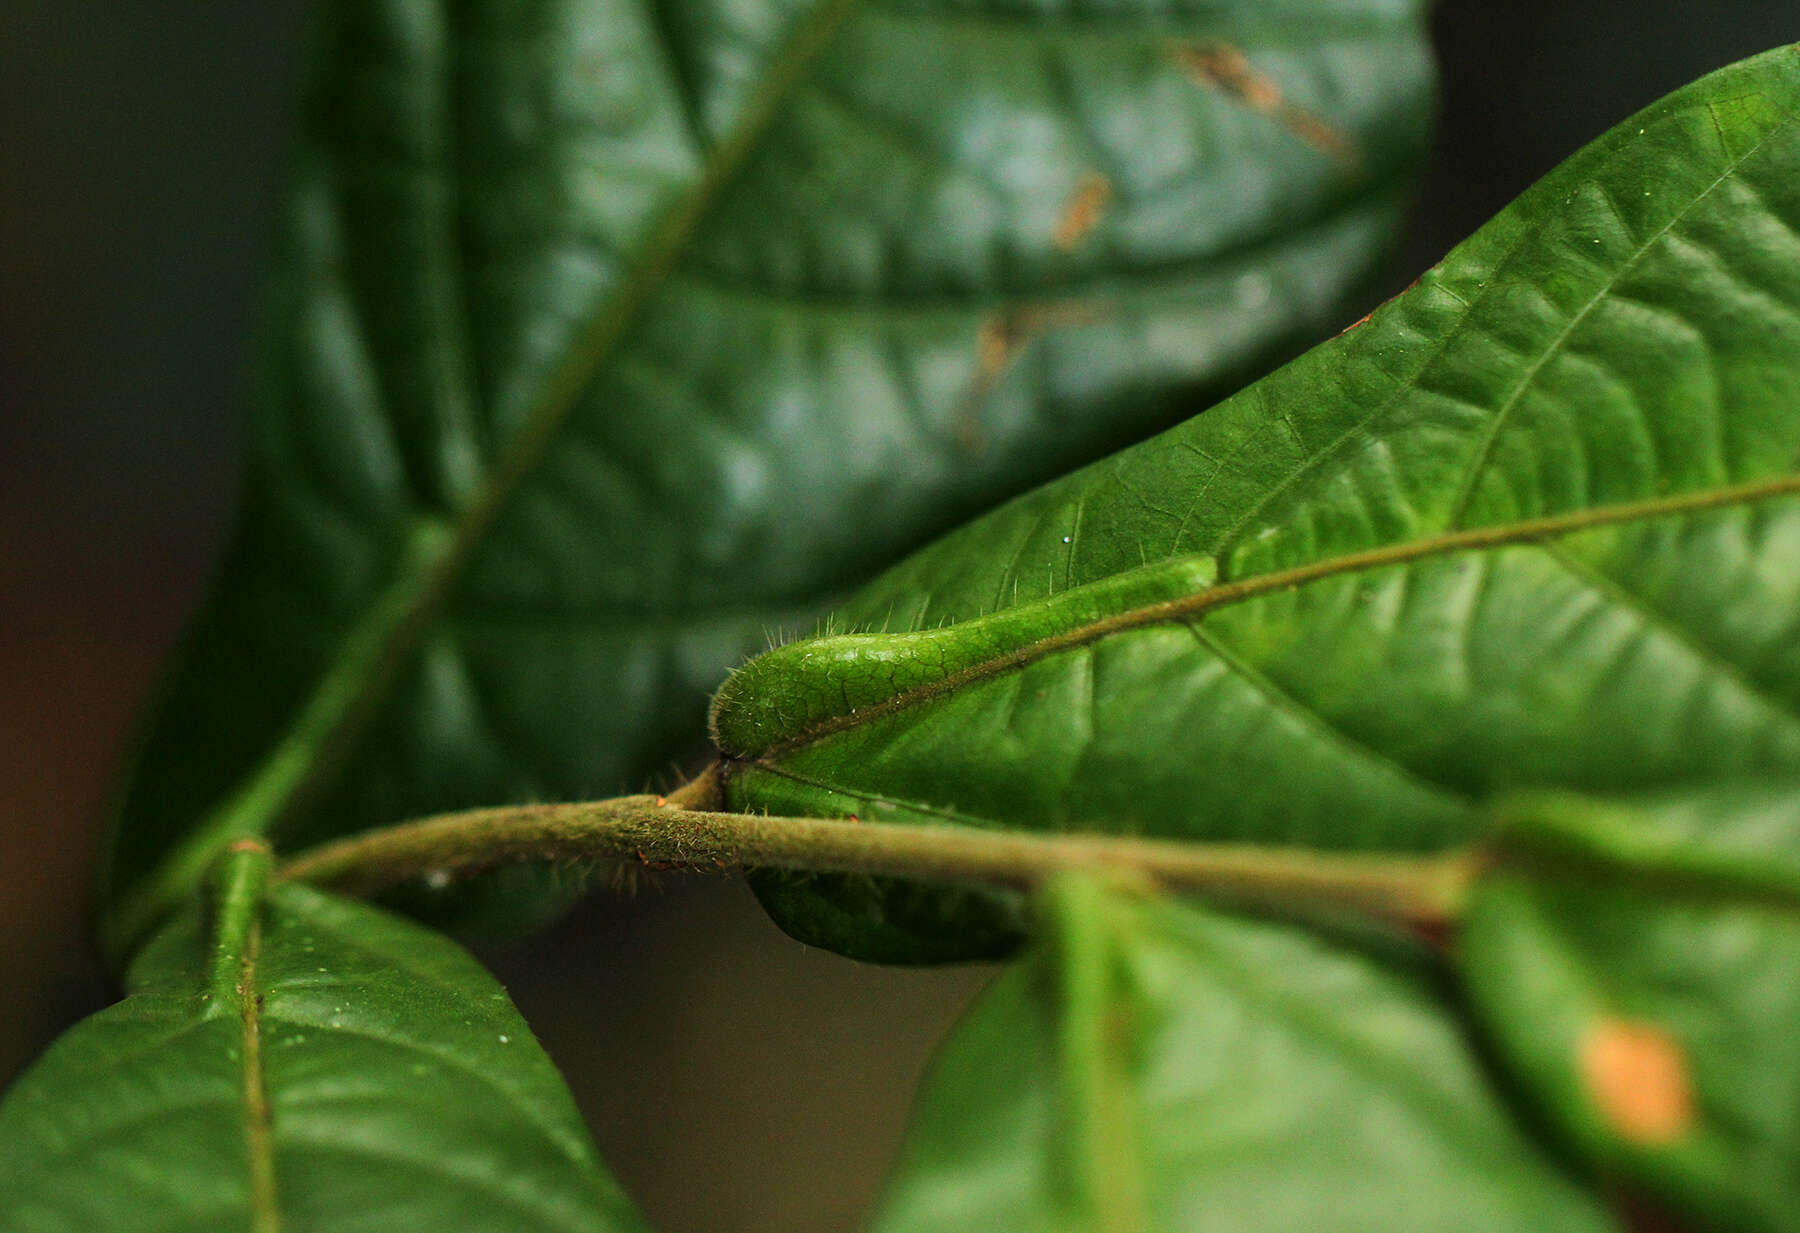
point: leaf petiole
(1425, 892)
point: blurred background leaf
(601, 343)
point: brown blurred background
(736, 1080)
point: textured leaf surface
(1533, 524)
(402, 1089)
(1153, 1067)
(605, 337)
(1643, 977)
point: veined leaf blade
(1534, 524)
(356, 1071)
(1154, 1067)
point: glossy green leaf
(1534, 524)
(322, 1067)
(1640, 969)
(1154, 1068)
(604, 338)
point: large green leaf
(317, 1065)
(1533, 524)
(1151, 1067)
(1639, 963)
(605, 337)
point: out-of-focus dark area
(736, 1080)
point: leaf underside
(1533, 525)
(605, 339)
(1149, 1066)
(1638, 972)
(401, 1089)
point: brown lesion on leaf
(1086, 206)
(1225, 68)
(1000, 340)
(1638, 1077)
(1364, 319)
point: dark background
(736, 1080)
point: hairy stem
(1425, 891)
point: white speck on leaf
(1252, 291)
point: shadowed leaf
(1154, 1068)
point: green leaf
(1534, 524)
(320, 1065)
(605, 338)
(1153, 1067)
(1639, 968)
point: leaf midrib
(614, 316)
(1091, 1018)
(1243, 590)
(265, 1208)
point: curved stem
(1426, 891)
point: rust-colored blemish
(995, 344)
(1005, 335)
(999, 342)
(1223, 67)
(1638, 1078)
(1083, 211)
(1364, 319)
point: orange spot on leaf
(1085, 208)
(995, 343)
(1223, 67)
(1638, 1077)
(1364, 319)
(1220, 66)
(999, 342)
